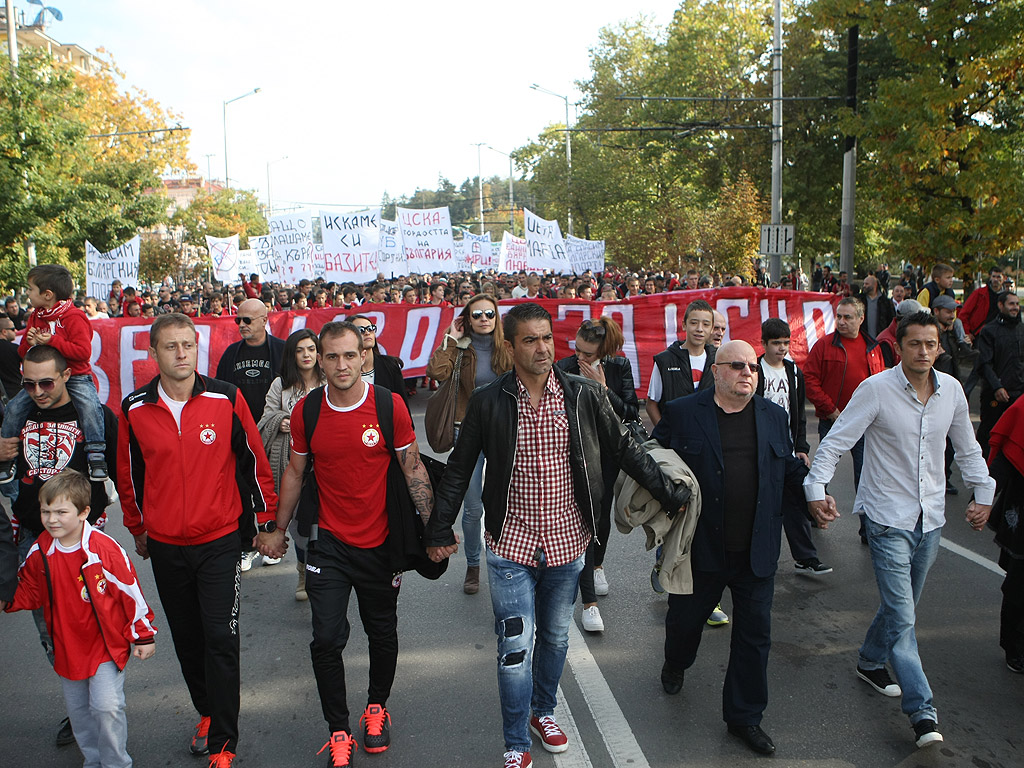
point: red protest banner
(121, 363)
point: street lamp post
(224, 116)
(568, 150)
(511, 191)
(480, 184)
(270, 199)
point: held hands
(437, 554)
(977, 515)
(824, 512)
(144, 651)
(272, 544)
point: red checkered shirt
(542, 510)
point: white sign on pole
(350, 245)
(291, 235)
(513, 254)
(545, 245)
(264, 262)
(585, 254)
(224, 256)
(496, 254)
(477, 252)
(777, 239)
(427, 239)
(102, 269)
(390, 254)
(319, 260)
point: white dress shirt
(904, 447)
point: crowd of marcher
(308, 443)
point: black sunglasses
(365, 329)
(739, 365)
(476, 314)
(247, 320)
(46, 385)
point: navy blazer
(689, 426)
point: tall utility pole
(480, 184)
(568, 151)
(224, 116)
(849, 159)
(775, 260)
(12, 50)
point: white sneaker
(248, 558)
(592, 621)
(600, 582)
(271, 560)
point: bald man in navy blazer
(739, 447)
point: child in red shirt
(57, 322)
(94, 610)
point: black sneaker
(7, 471)
(812, 566)
(97, 467)
(880, 680)
(376, 724)
(671, 679)
(927, 732)
(65, 735)
(1015, 663)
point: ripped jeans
(529, 600)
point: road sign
(776, 240)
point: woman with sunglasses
(597, 345)
(378, 368)
(476, 332)
(300, 373)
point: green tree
(221, 214)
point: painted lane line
(611, 722)
(576, 756)
(974, 557)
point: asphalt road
(445, 706)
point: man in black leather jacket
(543, 433)
(1000, 364)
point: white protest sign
(427, 239)
(350, 245)
(513, 254)
(291, 235)
(246, 261)
(476, 252)
(390, 254)
(224, 256)
(545, 245)
(495, 254)
(262, 254)
(102, 269)
(319, 260)
(459, 251)
(585, 254)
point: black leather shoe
(754, 737)
(951, 490)
(671, 679)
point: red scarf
(1008, 436)
(56, 312)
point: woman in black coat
(378, 368)
(597, 345)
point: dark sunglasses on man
(239, 319)
(739, 365)
(46, 385)
(476, 314)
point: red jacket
(201, 482)
(975, 310)
(825, 372)
(120, 608)
(252, 290)
(72, 335)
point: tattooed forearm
(421, 492)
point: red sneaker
(222, 759)
(551, 736)
(376, 724)
(342, 745)
(199, 745)
(515, 759)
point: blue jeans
(528, 599)
(901, 560)
(472, 511)
(87, 403)
(96, 708)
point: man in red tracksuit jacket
(194, 484)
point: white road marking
(612, 724)
(576, 756)
(984, 562)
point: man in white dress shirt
(905, 414)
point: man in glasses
(739, 447)
(52, 440)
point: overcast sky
(362, 97)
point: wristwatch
(268, 527)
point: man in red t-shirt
(351, 550)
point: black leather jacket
(491, 426)
(618, 377)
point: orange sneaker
(376, 724)
(342, 745)
(222, 759)
(199, 745)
